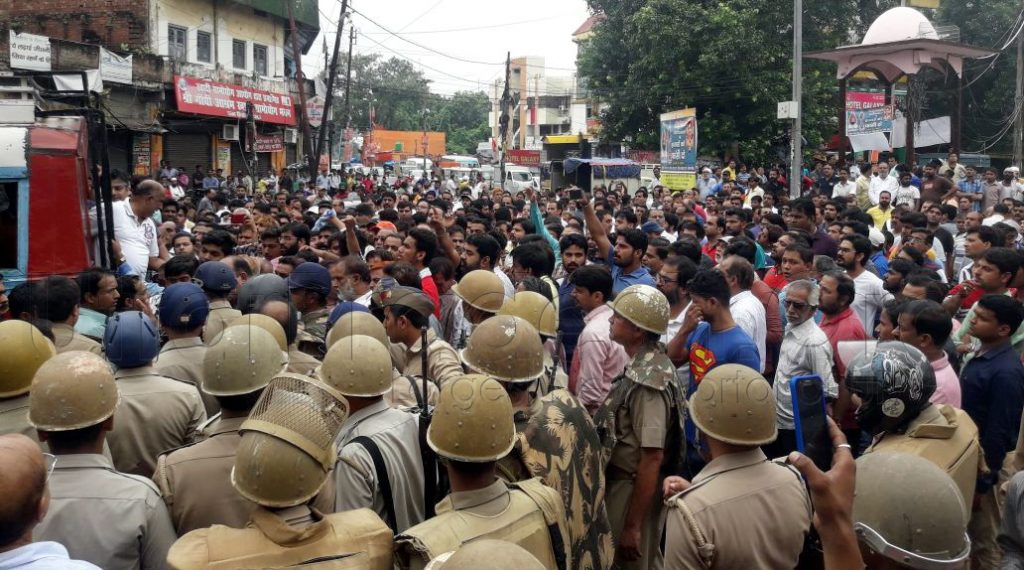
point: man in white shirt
(135, 230)
(845, 187)
(869, 292)
(746, 310)
(882, 182)
(177, 192)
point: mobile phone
(237, 219)
(812, 437)
(576, 194)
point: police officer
(642, 415)
(537, 310)
(490, 554)
(894, 384)
(379, 461)
(741, 510)
(508, 349)
(111, 519)
(184, 309)
(268, 295)
(310, 285)
(283, 460)
(404, 391)
(268, 325)
(482, 296)
(471, 429)
(406, 312)
(908, 513)
(195, 480)
(218, 280)
(24, 350)
(156, 413)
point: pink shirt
(597, 360)
(947, 385)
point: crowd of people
(436, 373)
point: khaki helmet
(70, 391)
(242, 360)
(909, 510)
(481, 289)
(24, 350)
(266, 323)
(535, 309)
(472, 421)
(644, 306)
(507, 348)
(287, 446)
(357, 366)
(357, 322)
(487, 553)
(734, 404)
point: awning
(614, 167)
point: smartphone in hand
(576, 194)
(812, 438)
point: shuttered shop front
(186, 150)
(239, 162)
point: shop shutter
(238, 161)
(186, 150)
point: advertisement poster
(268, 143)
(204, 97)
(866, 112)
(114, 68)
(224, 156)
(142, 148)
(679, 149)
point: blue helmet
(131, 340)
(343, 308)
(311, 276)
(184, 306)
(216, 277)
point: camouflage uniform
(556, 441)
(312, 332)
(644, 409)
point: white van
(518, 178)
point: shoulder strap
(382, 478)
(705, 549)
(421, 400)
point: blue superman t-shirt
(709, 349)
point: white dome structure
(899, 24)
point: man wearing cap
(183, 312)
(111, 519)
(652, 230)
(310, 285)
(706, 183)
(217, 280)
(406, 312)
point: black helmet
(894, 384)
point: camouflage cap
(412, 298)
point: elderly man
(805, 351)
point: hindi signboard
(315, 111)
(114, 68)
(679, 149)
(205, 97)
(268, 143)
(29, 51)
(866, 112)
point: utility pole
(1018, 129)
(348, 77)
(503, 122)
(300, 78)
(796, 168)
(326, 124)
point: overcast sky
(478, 32)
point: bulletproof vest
(342, 541)
(948, 438)
(533, 520)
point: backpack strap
(383, 480)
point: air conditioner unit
(291, 136)
(230, 133)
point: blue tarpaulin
(614, 167)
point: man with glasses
(108, 518)
(805, 351)
(24, 472)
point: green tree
(463, 117)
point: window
(203, 47)
(176, 38)
(259, 59)
(238, 54)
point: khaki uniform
(357, 482)
(66, 339)
(286, 539)
(221, 315)
(556, 440)
(407, 391)
(742, 511)
(182, 359)
(14, 418)
(945, 436)
(313, 332)
(111, 519)
(195, 481)
(155, 414)
(301, 363)
(528, 514)
(644, 409)
(442, 360)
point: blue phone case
(801, 445)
